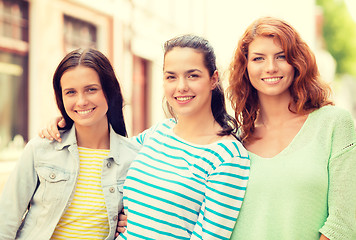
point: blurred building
(36, 34)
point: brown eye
(92, 90)
(70, 92)
(170, 77)
(193, 76)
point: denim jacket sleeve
(17, 194)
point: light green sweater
(307, 189)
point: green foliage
(340, 35)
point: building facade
(36, 34)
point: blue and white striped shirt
(178, 190)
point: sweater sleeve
(17, 194)
(341, 221)
(225, 190)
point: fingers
(121, 224)
(43, 133)
(61, 122)
(120, 230)
(52, 128)
(122, 218)
(51, 131)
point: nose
(82, 100)
(182, 85)
(272, 66)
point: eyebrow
(189, 71)
(87, 86)
(92, 85)
(194, 70)
(257, 53)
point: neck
(198, 129)
(97, 137)
(274, 111)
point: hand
(121, 224)
(51, 131)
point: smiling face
(83, 97)
(187, 83)
(269, 72)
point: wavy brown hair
(307, 90)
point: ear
(214, 80)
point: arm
(17, 194)
(341, 222)
(225, 191)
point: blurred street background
(36, 34)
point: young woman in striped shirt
(190, 177)
(73, 189)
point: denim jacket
(43, 182)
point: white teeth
(183, 98)
(84, 111)
(271, 79)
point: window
(78, 34)
(139, 95)
(13, 74)
(14, 19)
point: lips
(84, 112)
(183, 99)
(272, 80)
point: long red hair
(307, 90)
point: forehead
(184, 58)
(79, 76)
(265, 44)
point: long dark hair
(96, 60)
(218, 107)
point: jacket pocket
(53, 181)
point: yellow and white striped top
(86, 217)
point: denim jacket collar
(70, 139)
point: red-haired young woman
(302, 148)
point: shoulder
(38, 142)
(332, 118)
(339, 126)
(331, 112)
(39, 147)
(232, 148)
(122, 148)
(232, 157)
(168, 123)
(329, 117)
(160, 127)
(124, 142)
